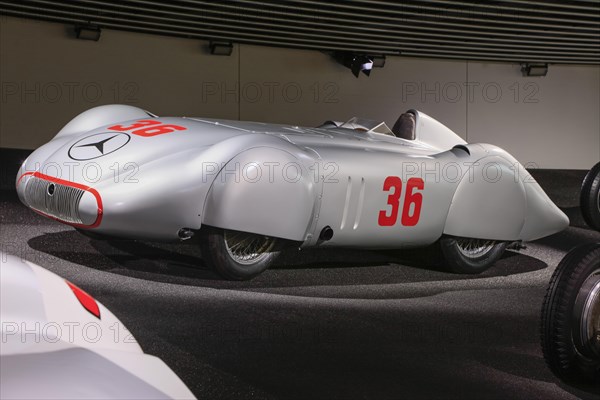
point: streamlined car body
(250, 187)
(58, 342)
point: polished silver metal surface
(373, 189)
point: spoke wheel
(237, 255)
(474, 248)
(247, 249)
(470, 255)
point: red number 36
(147, 128)
(393, 184)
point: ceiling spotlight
(220, 48)
(88, 32)
(530, 69)
(359, 62)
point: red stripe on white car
(87, 301)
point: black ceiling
(518, 30)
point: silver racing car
(249, 189)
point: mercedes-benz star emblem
(98, 145)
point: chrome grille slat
(63, 204)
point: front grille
(54, 199)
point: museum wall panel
(47, 77)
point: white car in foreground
(59, 342)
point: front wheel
(471, 256)
(570, 324)
(237, 255)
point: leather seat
(405, 126)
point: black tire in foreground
(470, 256)
(570, 323)
(590, 197)
(237, 255)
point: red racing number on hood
(147, 128)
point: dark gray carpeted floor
(344, 324)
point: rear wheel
(237, 255)
(471, 256)
(590, 197)
(570, 323)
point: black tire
(483, 255)
(571, 351)
(590, 198)
(220, 252)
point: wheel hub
(587, 317)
